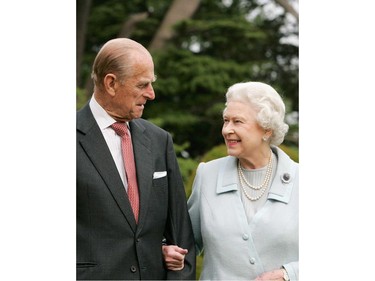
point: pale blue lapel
(282, 185)
(227, 179)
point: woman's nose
(227, 129)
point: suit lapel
(143, 161)
(95, 146)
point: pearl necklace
(261, 187)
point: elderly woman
(244, 207)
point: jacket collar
(284, 180)
(282, 184)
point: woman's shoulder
(214, 166)
(218, 162)
(283, 157)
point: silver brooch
(285, 178)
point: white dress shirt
(113, 140)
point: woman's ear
(110, 84)
(267, 134)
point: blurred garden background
(200, 48)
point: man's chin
(137, 115)
(131, 116)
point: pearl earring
(265, 138)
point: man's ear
(110, 84)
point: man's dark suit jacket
(110, 245)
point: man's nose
(150, 94)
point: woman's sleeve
(194, 208)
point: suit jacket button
(133, 269)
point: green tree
(216, 48)
(200, 48)
(212, 45)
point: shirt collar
(103, 119)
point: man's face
(133, 93)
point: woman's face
(242, 134)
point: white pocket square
(158, 175)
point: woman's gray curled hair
(267, 103)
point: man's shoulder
(143, 123)
(84, 119)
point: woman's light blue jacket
(233, 248)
